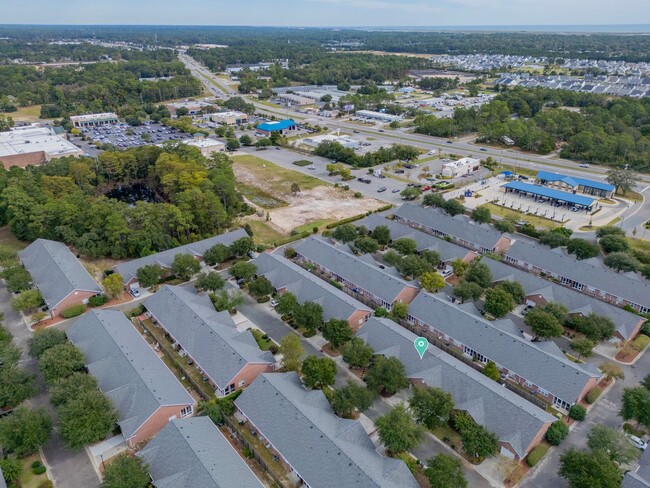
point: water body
(132, 194)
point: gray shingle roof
(307, 287)
(325, 450)
(3, 483)
(56, 271)
(641, 477)
(458, 226)
(210, 337)
(498, 409)
(575, 301)
(447, 250)
(554, 374)
(348, 267)
(128, 371)
(193, 453)
(634, 289)
(128, 270)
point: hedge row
(593, 395)
(536, 455)
(73, 311)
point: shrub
(97, 300)
(309, 333)
(641, 342)
(593, 395)
(556, 433)
(39, 470)
(73, 311)
(577, 412)
(358, 194)
(536, 454)
(46, 484)
(36, 464)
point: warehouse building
(382, 117)
(229, 118)
(93, 120)
(206, 145)
(292, 99)
(34, 145)
(193, 107)
(281, 126)
(344, 141)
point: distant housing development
(58, 275)
(322, 449)
(93, 120)
(145, 392)
(34, 145)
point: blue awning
(543, 191)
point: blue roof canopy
(574, 181)
(274, 126)
(544, 191)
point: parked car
(399, 171)
(483, 149)
(135, 292)
(395, 190)
(426, 188)
(527, 309)
(274, 303)
(584, 165)
(639, 443)
(450, 142)
(381, 189)
(355, 131)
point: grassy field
(308, 227)
(513, 214)
(259, 197)
(264, 234)
(276, 180)
(639, 244)
(30, 113)
(28, 479)
(630, 195)
(519, 170)
(8, 240)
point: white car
(584, 165)
(639, 443)
(274, 303)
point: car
(360, 178)
(638, 443)
(446, 272)
(395, 190)
(311, 167)
(240, 282)
(366, 181)
(382, 130)
(483, 149)
(135, 292)
(399, 171)
(432, 152)
(527, 309)
(450, 142)
(274, 303)
(584, 165)
(356, 131)
(381, 189)
(426, 188)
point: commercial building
(286, 276)
(58, 275)
(540, 370)
(344, 141)
(206, 145)
(281, 126)
(479, 237)
(364, 281)
(371, 115)
(194, 453)
(144, 391)
(93, 120)
(519, 425)
(229, 118)
(193, 107)
(549, 194)
(463, 166)
(293, 99)
(34, 145)
(322, 449)
(575, 184)
(229, 359)
(588, 276)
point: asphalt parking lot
(124, 136)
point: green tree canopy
(184, 266)
(636, 405)
(515, 290)
(583, 347)
(432, 281)
(149, 275)
(27, 300)
(211, 281)
(126, 472)
(61, 361)
(217, 254)
(620, 261)
(243, 270)
(589, 470)
(260, 287)
(498, 302)
(44, 339)
(405, 246)
(481, 215)
(113, 285)
(16, 385)
(286, 303)
(308, 315)
(466, 290)
(556, 433)
(345, 233)
(292, 351)
(381, 234)
(386, 374)
(480, 274)
(613, 443)
(25, 430)
(398, 431)
(431, 406)
(366, 244)
(65, 389)
(582, 248)
(445, 471)
(86, 419)
(357, 353)
(350, 398)
(337, 332)
(318, 372)
(543, 324)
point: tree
(466, 290)
(232, 144)
(350, 398)
(241, 247)
(308, 315)
(211, 281)
(227, 300)
(645, 382)
(414, 266)
(544, 324)
(113, 285)
(481, 215)
(479, 442)
(433, 200)
(557, 310)
(27, 300)
(405, 246)
(491, 371)
(260, 287)
(246, 140)
(318, 372)
(291, 350)
(432, 281)
(514, 289)
(357, 353)
(609, 230)
(345, 233)
(381, 234)
(25, 430)
(11, 469)
(622, 179)
(614, 243)
(431, 406)
(430, 256)
(611, 370)
(636, 405)
(505, 226)
(583, 347)
(445, 471)
(16, 386)
(498, 302)
(86, 419)
(243, 270)
(480, 274)
(149, 275)
(577, 412)
(556, 433)
(337, 332)
(63, 390)
(613, 443)
(454, 207)
(399, 312)
(386, 374)
(589, 470)
(184, 266)
(16, 278)
(620, 261)
(553, 239)
(126, 472)
(217, 254)
(582, 248)
(410, 193)
(295, 188)
(366, 244)
(398, 431)
(61, 361)
(44, 339)
(286, 303)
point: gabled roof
(557, 375)
(498, 409)
(641, 477)
(210, 337)
(634, 289)
(575, 301)
(128, 371)
(193, 453)
(283, 273)
(574, 181)
(458, 226)
(324, 450)
(56, 271)
(348, 267)
(129, 269)
(447, 250)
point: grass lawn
(264, 344)
(308, 227)
(260, 197)
(510, 213)
(268, 104)
(265, 234)
(630, 195)
(8, 240)
(518, 170)
(276, 179)
(447, 431)
(28, 479)
(639, 244)
(31, 112)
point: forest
(612, 131)
(65, 200)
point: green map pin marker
(421, 344)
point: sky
(327, 12)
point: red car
(426, 188)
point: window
(187, 411)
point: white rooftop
(461, 162)
(102, 116)
(31, 139)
